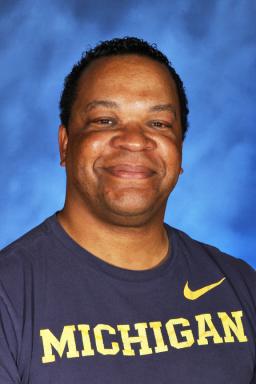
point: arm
(8, 346)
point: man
(104, 291)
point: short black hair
(116, 47)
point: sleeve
(8, 344)
(16, 317)
(254, 379)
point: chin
(130, 206)
(134, 221)
(134, 215)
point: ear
(181, 171)
(63, 144)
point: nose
(133, 137)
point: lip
(130, 171)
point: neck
(134, 248)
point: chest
(101, 331)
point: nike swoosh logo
(193, 295)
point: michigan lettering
(143, 338)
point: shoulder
(207, 259)
(20, 258)
(204, 254)
(27, 243)
(187, 243)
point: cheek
(84, 151)
(171, 153)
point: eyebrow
(163, 107)
(112, 104)
(101, 103)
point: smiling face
(123, 148)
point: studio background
(212, 46)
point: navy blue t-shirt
(68, 317)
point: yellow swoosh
(193, 295)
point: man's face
(124, 144)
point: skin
(122, 152)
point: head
(124, 118)
(118, 47)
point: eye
(160, 124)
(104, 121)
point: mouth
(128, 171)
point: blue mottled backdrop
(212, 44)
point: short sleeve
(8, 343)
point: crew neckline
(114, 271)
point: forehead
(127, 72)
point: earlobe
(63, 144)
